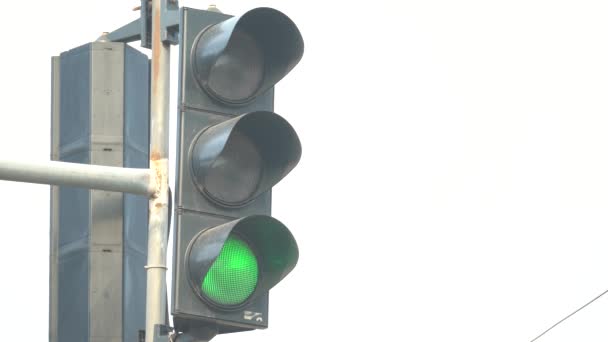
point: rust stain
(155, 155)
(159, 172)
(157, 166)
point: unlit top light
(240, 58)
(239, 71)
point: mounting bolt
(137, 8)
(213, 8)
(103, 38)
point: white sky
(453, 184)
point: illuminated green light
(234, 275)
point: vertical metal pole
(156, 287)
(54, 246)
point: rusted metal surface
(156, 287)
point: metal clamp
(163, 333)
(156, 266)
(141, 28)
(169, 22)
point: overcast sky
(454, 178)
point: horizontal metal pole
(134, 181)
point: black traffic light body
(231, 150)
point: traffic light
(232, 149)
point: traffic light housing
(232, 149)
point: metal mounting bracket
(162, 333)
(198, 334)
(141, 28)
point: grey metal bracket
(169, 22)
(162, 333)
(141, 28)
(198, 334)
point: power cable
(570, 315)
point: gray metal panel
(98, 284)
(75, 102)
(134, 289)
(55, 105)
(73, 319)
(105, 250)
(105, 295)
(74, 139)
(136, 154)
(74, 219)
(74, 223)
(137, 108)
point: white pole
(156, 287)
(135, 181)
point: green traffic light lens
(234, 275)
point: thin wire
(570, 315)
